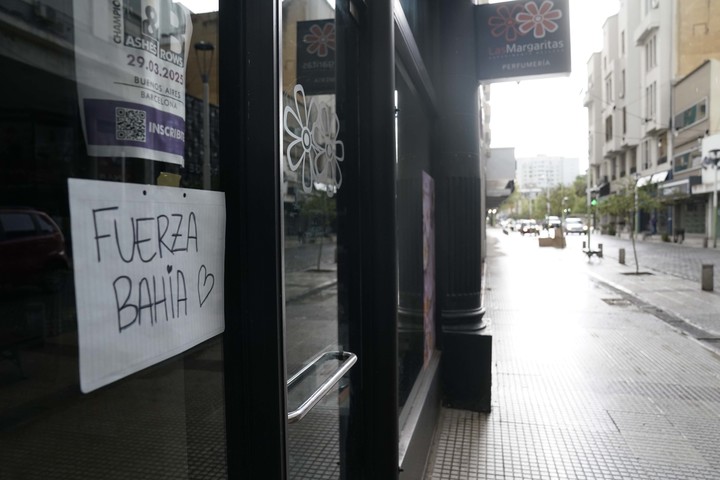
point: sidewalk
(596, 374)
(682, 303)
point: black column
(466, 345)
(456, 168)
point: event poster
(149, 268)
(130, 63)
(428, 229)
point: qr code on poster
(130, 124)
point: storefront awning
(642, 181)
(658, 177)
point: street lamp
(713, 158)
(204, 53)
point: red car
(32, 250)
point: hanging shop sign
(521, 39)
(130, 62)
(149, 274)
(316, 56)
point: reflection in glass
(312, 179)
(167, 421)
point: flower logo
(314, 149)
(320, 40)
(504, 24)
(330, 151)
(539, 20)
(300, 151)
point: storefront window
(107, 95)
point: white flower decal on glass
(300, 151)
(330, 150)
(539, 20)
(314, 149)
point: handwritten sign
(149, 271)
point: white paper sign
(149, 274)
(130, 64)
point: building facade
(654, 110)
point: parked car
(529, 227)
(574, 225)
(552, 221)
(32, 250)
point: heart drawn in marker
(206, 282)
(169, 268)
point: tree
(625, 205)
(318, 212)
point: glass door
(111, 242)
(314, 185)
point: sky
(546, 116)
(543, 116)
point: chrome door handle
(348, 359)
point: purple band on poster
(113, 123)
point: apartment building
(593, 101)
(538, 174)
(652, 85)
(693, 121)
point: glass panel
(415, 217)
(167, 420)
(312, 181)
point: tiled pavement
(589, 380)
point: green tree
(625, 204)
(318, 211)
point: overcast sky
(539, 117)
(546, 116)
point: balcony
(648, 25)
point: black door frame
(250, 159)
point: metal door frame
(250, 159)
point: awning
(642, 181)
(659, 177)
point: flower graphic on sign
(539, 20)
(301, 150)
(320, 40)
(314, 148)
(504, 24)
(330, 151)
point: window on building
(692, 115)
(686, 160)
(650, 101)
(608, 89)
(622, 43)
(647, 160)
(624, 120)
(608, 128)
(622, 84)
(661, 151)
(651, 54)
